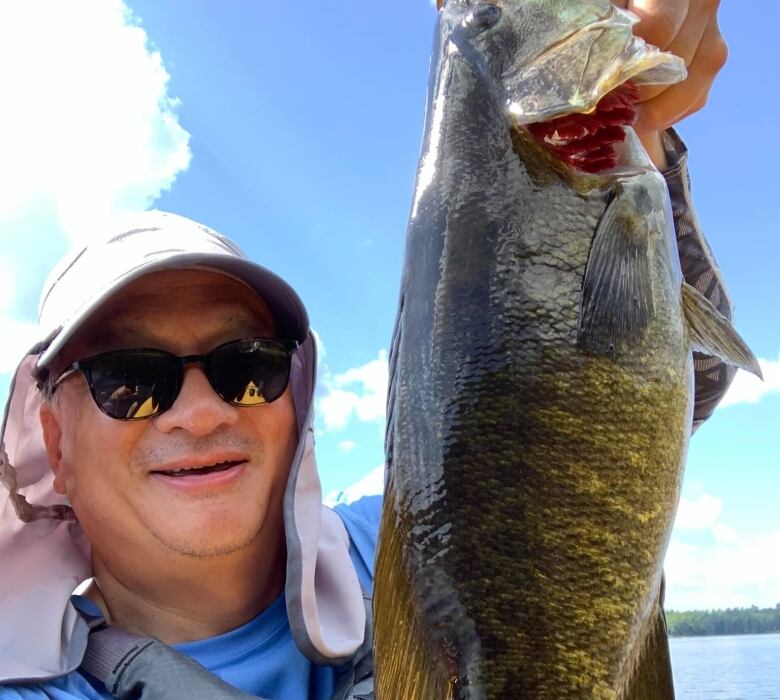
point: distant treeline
(705, 623)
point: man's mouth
(199, 471)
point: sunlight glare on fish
(428, 165)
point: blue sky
(294, 128)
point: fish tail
(404, 666)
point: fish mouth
(594, 143)
(578, 97)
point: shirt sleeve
(361, 518)
(52, 690)
(712, 375)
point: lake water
(726, 668)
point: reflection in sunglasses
(124, 395)
(121, 393)
(147, 408)
(252, 395)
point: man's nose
(198, 409)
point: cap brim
(285, 305)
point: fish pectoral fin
(651, 677)
(712, 333)
(616, 304)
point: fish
(541, 383)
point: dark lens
(134, 384)
(250, 372)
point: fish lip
(190, 463)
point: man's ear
(52, 439)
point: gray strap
(143, 668)
(107, 647)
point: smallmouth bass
(541, 374)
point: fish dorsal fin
(617, 292)
(712, 333)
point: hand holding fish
(689, 29)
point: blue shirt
(260, 657)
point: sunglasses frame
(86, 365)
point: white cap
(145, 243)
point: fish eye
(484, 16)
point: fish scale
(505, 492)
(540, 393)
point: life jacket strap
(133, 667)
(143, 668)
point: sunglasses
(138, 384)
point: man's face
(110, 468)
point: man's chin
(201, 548)
(216, 537)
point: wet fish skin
(536, 434)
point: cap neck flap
(324, 599)
(43, 549)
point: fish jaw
(577, 72)
(558, 57)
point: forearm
(712, 376)
(654, 145)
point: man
(159, 440)
(188, 467)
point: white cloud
(725, 534)
(18, 337)
(359, 393)
(87, 123)
(749, 389)
(336, 408)
(371, 484)
(87, 131)
(700, 514)
(711, 565)
(7, 280)
(734, 571)
(347, 445)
